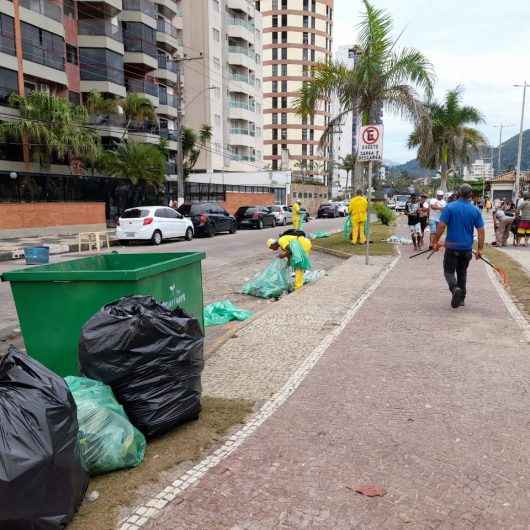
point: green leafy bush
(384, 213)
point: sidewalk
(430, 402)
(519, 254)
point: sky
(483, 45)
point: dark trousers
(455, 268)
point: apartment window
(274, 37)
(304, 134)
(284, 21)
(284, 70)
(275, 70)
(305, 38)
(8, 84)
(284, 54)
(216, 35)
(284, 135)
(275, 118)
(138, 37)
(305, 21)
(313, 5)
(284, 86)
(284, 118)
(7, 35)
(43, 47)
(274, 149)
(304, 149)
(275, 164)
(311, 150)
(313, 55)
(74, 98)
(69, 8)
(284, 37)
(275, 86)
(110, 65)
(313, 39)
(305, 54)
(275, 54)
(71, 54)
(313, 22)
(306, 5)
(217, 63)
(274, 21)
(275, 5)
(284, 4)
(312, 134)
(274, 134)
(284, 102)
(274, 103)
(284, 147)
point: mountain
(508, 158)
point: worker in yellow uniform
(297, 215)
(358, 210)
(295, 248)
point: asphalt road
(230, 261)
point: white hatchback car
(153, 223)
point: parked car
(391, 203)
(343, 209)
(209, 218)
(154, 223)
(255, 217)
(401, 202)
(282, 213)
(328, 209)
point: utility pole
(501, 127)
(331, 163)
(520, 149)
(367, 260)
(180, 125)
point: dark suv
(208, 218)
(255, 217)
(328, 210)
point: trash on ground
(107, 438)
(152, 358)
(398, 240)
(272, 282)
(222, 312)
(370, 490)
(347, 228)
(313, 276)
(93, 496)
(42, 479)
(321, 234)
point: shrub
(384, 214)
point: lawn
(518, 279)
(337, 244)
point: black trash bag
(42, 479)
(151, 356)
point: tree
(192, 144)
(301, 166)
(51, 127)
(347, 164)
(140, 163)
(381, 76)
(448, 140)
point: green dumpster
(54, 301)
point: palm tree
(448, 141)
(301, 166)
(140, 163)
(347, 163)
(51, 127)
(192, 144)
(381, 76)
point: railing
(145, 6)
(236, 21)
(36, 54)
(244, 79)
(163, 26)
(242, 158)
(133, 43)
(167, 64)
(167, 99)
(234, 104)
(45, 8)
(111, 120)
(171, 168)
(242, 130)
(168, 135)
(249, 52)
(100, 27)
(142, 86)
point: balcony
(171, 137)
(242, 56)
(7, 43)
(242, 130)
(146, 134)
(168, 8)
(167, 105)
(167, 36)
(44, 8)
(242, 83)
(240, 28)
(167, 70)
(140, 52)
(108, 125)
(107, 8)
(145, 87)
(100, 33)
(143, 11)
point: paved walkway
(430, 402)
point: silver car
(282, 213)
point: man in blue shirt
(460, 218)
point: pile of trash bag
(321, 234)
(313, 276)
(347, 228)
(273, 282)
(399, 240)
(222, 312)
(151, 357)
(42, 479)
(107, 439)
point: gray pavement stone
(430, 402)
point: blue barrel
(37, 255)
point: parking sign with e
(370, 143)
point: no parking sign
(370, 143)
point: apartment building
(297, 34)
(111, 46)
(223, 81)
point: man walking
(523, 229)
(412, 209)
(436, 207)
(460, 218)
(358, 210)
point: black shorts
(424, 221)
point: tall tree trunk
(346, 187)
(444, 176)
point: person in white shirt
(436, 206)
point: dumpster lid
(106, 267)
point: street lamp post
(520, 148)
(501, 127)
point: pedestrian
(297, 215)
(358, 210)
(488, 205)
(436, 207)
(523, 230)
(460, 218)
(503, 225)
(173, 203)
(424, 215)
(296, 249)
(412, 208)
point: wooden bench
(93, 239)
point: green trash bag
(299, 258)
(273, 282)
(319, 235)
(107, 439)
(220, 313)
(347, 228)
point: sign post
(370, 149)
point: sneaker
(458, 297)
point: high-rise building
(297, 34)
(223, 88)
(114, 47)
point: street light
(520, 149)
(501, 127)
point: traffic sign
(370, 143)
